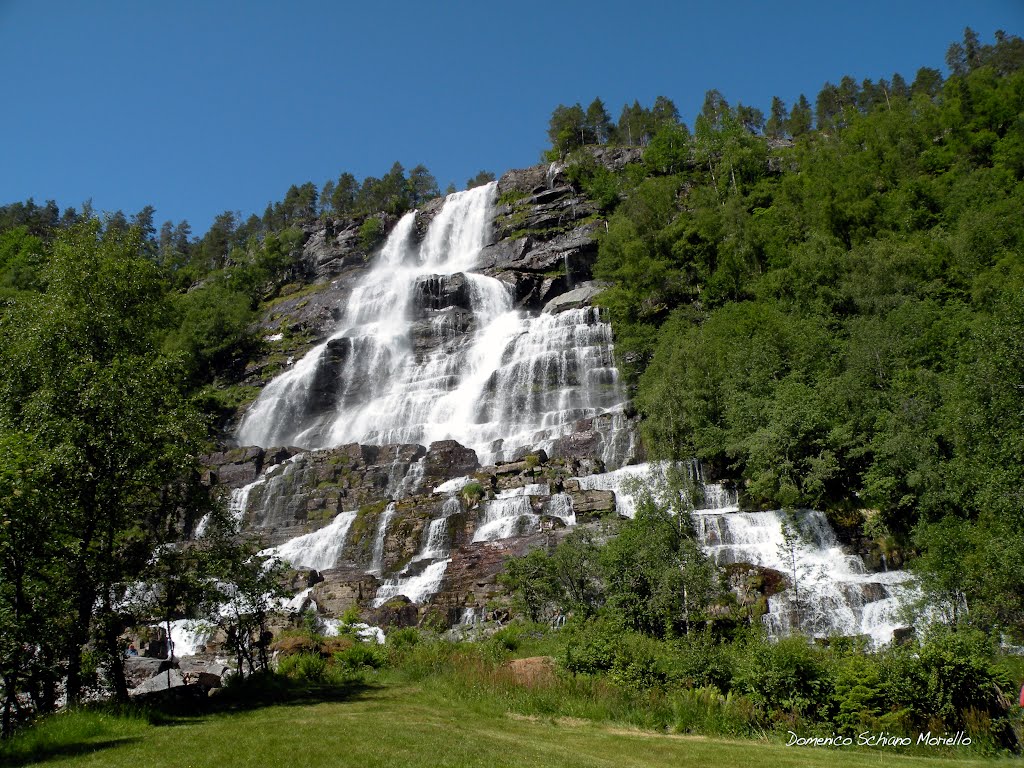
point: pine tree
(800, 117)
(776, 126)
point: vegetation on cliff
(827, 308)
(824, 304)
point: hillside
(677, 390)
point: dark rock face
(236, 467)
(442, 292)
(447, 458)
(543, 248)
(471, 579)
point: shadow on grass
(255, 692)
(43, 752)
(95, 728)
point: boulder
(397, 612)
(448, 458)
(592, 504)
(159, 685)
(138, 669)
(342, 588)
(208, 674)
(580, 296)
(435, 292)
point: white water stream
(428, 350)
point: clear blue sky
(200, 107)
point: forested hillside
(827, 307)
(822, 303)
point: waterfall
(436, 545)
(428, 350)
(377, 566)
(418, 587)
(834, 594)
(318, 550)
(506, 517)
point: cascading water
(427, 350)
(318, 550)
(377, 566)
(831, 592)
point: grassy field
(404, 724)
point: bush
(472, 493)
(371, 233)
(785, 679)
(308, 667)
(405, 637)
(361, 655)
(631, 660)
(707, 710)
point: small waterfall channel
(834, 593)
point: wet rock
(592, 504)
(434, 292)
(581, 296)
(448, 458)
(397, 612)
(342, 588)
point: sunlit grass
(390, 723)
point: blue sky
(201, 107)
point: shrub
(472, 493)
(308, 667)
(371, 232)
(405, 637)
(361, 655)
(707, 710)
(785, 678)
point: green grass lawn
(416, 725)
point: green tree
(775, 128)
(482, 178)
(800, 117)
(422, 186)
(567, 129)
(598, 124)
(345, 194)
(109, 414)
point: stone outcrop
(581, 296)
(544, 246)
(172, 678)
(343, 588)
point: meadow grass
(443, 707)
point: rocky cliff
(422, 531)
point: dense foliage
(826, 306)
